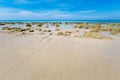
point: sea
(87, 21)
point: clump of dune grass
(96, 28)
(48, 30)
(110, 28)
(20, 23)
(81, 25)
(111, 24)
(118, 24)
(23, 30)
(77, 30)
(38, 28)
(69, 32)
(44, 30)
(5, 28)
(78, 26)
(50, 34)
(118, 30)
(14, 29)
(94, 35)
(39, 25)
(47, 26)
(11, 23)
(57, 29)
(31, 30)
(115, 31)
(23, 33)
(106, 29)
(64, 33)
(60, 33)
(66, 23)
(57, 25)
(2, 23)
(86, 27)
(28, 25)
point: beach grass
(89, 30)
(94, 35)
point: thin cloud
(32, 2)
(88, 11)
(63, 5)
(20, 14)
(9, 13)
(21, 1)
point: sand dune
(43, 57)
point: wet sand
(43, 57)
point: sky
(59, 9)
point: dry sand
(43, 57)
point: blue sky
(59, 9)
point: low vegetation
(28, 25)
(94, 35)
(14, 29)
(90, 30)
(31, 30)
(64, 33)
(82, 25)
(39, 25)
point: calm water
(90, 21)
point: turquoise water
(89, 21)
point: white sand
(38, 57)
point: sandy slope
(38, 57)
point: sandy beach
(53, 57)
